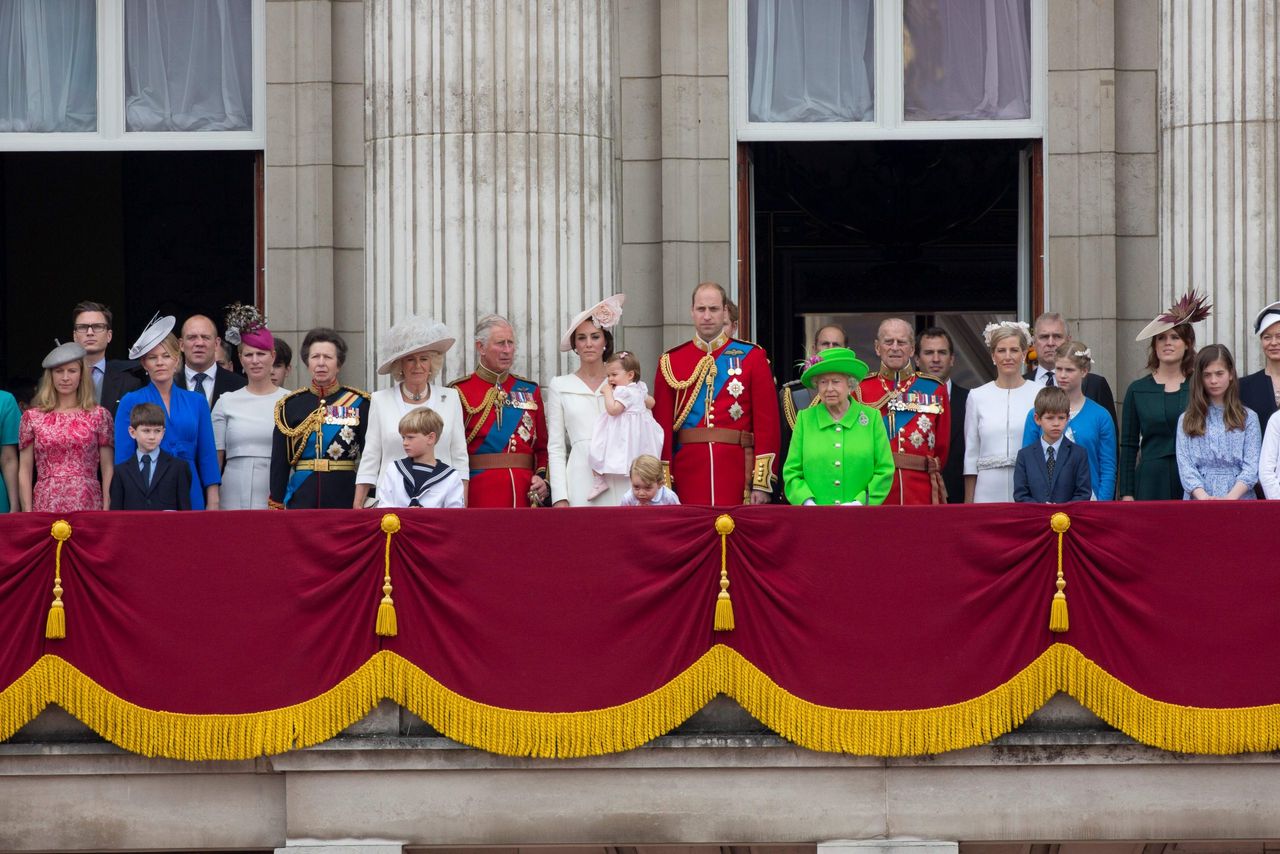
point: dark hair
(1186, 333)
(284, 354)
(1052, 399)
(325, 335)
(90, 305)
(936, 332)
(628, 361)
(1234, 415)
(22, 389)
(732, 307)
(146, 415)
(608, 343)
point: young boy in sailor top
(420, 480)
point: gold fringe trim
(513, 732)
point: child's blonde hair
(648, 468)
(422, 420)
(628, 361)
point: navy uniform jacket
(1070, 482)
(316, 448)
(170, 487)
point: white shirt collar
(155, 455)
(1057, 446)
(1041, 373)
(191, 374)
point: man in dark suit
(1050, 334)
(936, 355)
(91, 329)
(1052, 470)
(153, 479)
(200, 371)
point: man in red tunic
(916, 412)
(505, 424)
(716, 401)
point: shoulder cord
(704, 371)
(486, 405)
(311, 424)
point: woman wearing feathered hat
(244, 419)
(412, 353)
(64, 439)
(1152, 404)
(188, 430)
(839, 452)
(574, 402)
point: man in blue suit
(1053, 470)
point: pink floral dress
(67, 444)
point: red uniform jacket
(735, 380)
(917, 414)
(503, 418)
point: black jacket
(170, 485)
(118, 379)
(1256, 393)
(953, 471)
(223, 382)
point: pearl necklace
(415, 398)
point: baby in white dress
(626, 429)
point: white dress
(572, 410)
(994, 419)
(382, 443)
(243, 424)
(616, 440)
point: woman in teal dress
(1152, 405)
(839, 452)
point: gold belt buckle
(321, 465)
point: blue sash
(328, 433)
(499, 436)
(904, 418)
(699, 409)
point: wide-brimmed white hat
(155, 332)
(63, 353)
(1266, 317)
(1192, 308)
(409, 336)
(604, 314)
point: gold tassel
(724, 606)
(386, 625)
(55, 626)
(1058, 621)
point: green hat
(834, 360)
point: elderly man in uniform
(916, 412)
(505, 424)
(716, 401)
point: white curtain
(48, 66)
(967, 59)
(188, 65)
(811, 60)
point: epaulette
(524, 379)
(458, 381)
(922, 375)
(358, 391)
(294, 392)
(792, 384)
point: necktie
(1048, 461)
(97, 381)
(146, 470)
(200, 378)
(1048, 379)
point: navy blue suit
(1070, 475)
(170, 487)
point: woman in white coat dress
(574, 402)
(412, 352)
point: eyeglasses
(90, 327)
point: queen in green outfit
(839, 451)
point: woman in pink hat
(574, 402)
(244, 419)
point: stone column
(490, 168)
(1220, 161)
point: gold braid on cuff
(762, 476)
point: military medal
(735, 411)
(862, 419)
(735, 387)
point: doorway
(937, 231)
(143, 232)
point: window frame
(111, 134)
(889, 121)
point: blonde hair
(435, 359)
(997, 332)
(422, 420)
(46, 396)
(648, 468)
(1077, 353)
(170, 343)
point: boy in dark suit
(153, 479)
(1053, 470)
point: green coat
(1148, 433)
(837, 462)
